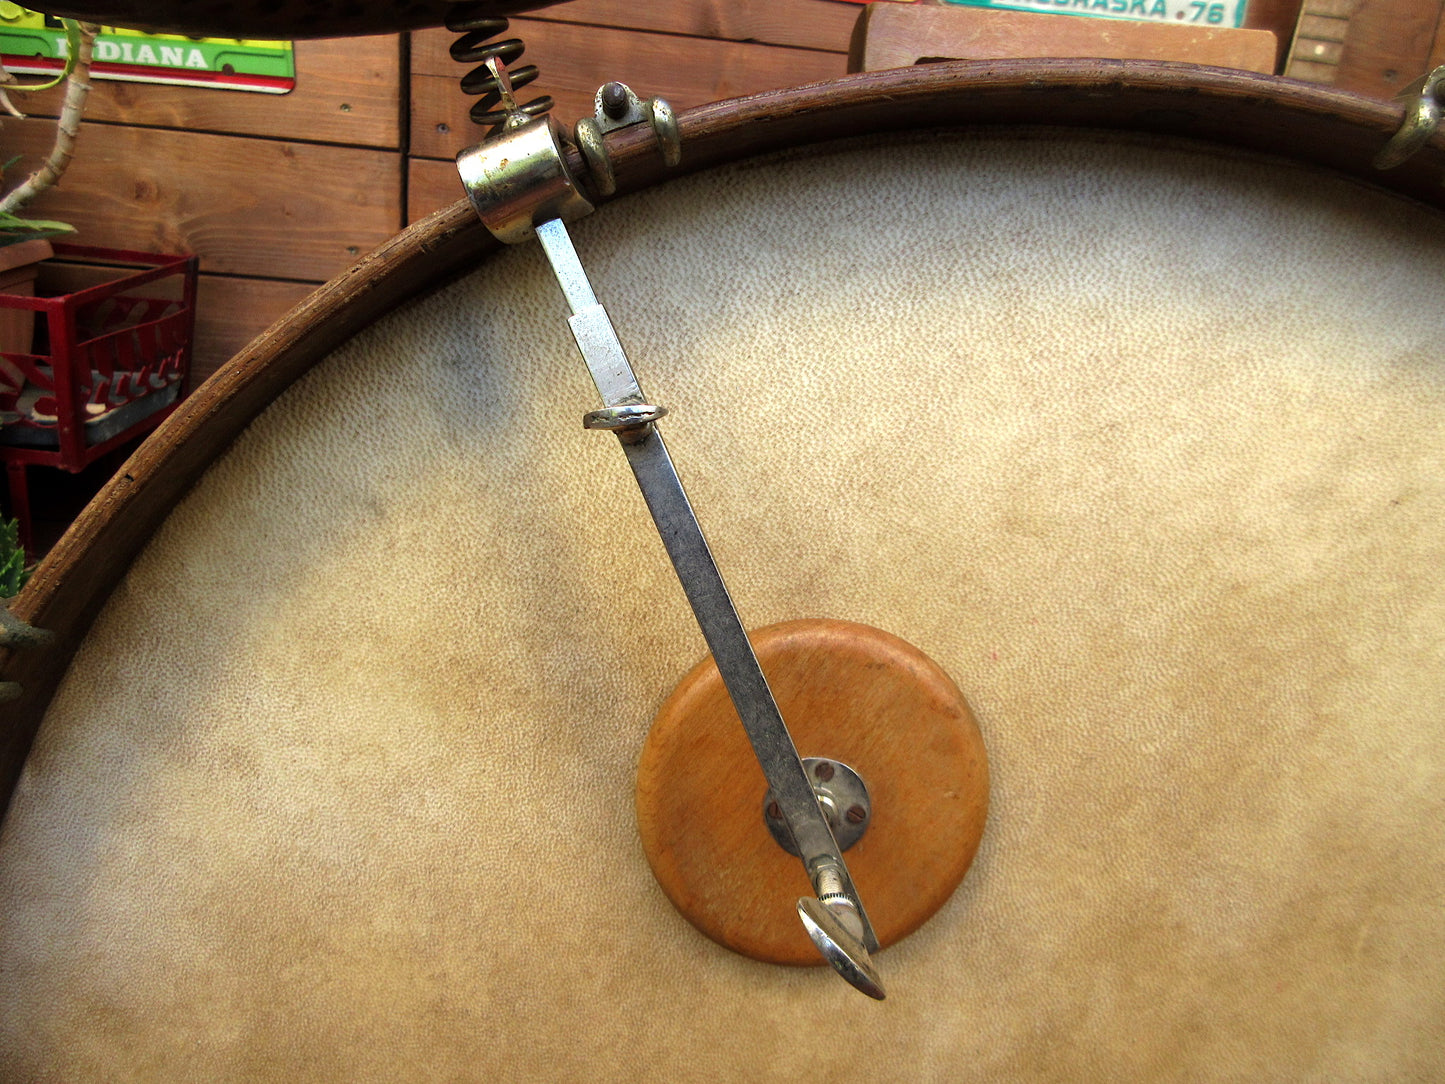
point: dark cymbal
(276, 18)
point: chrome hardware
(16, 634)
(479, 28)
(1422, 117)
(825, 923)
(520, 185)
(519, 178)
(623, 418)
(841, 794)
(847, 947)
(617, 106)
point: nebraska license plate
(1183, 12)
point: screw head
(614, 100)
(842, 798)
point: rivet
(614, 100)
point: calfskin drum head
(1143, 442)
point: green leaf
(13, 228)
(72, 43)
(10, 223)
(12, 559)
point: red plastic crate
(109, 360)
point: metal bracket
(15, 633)
(842, 795)
(617, 106)
(1422, 117)
(521, 187)
(520, 178)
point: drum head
(1141, 440)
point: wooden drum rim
(1299, 121)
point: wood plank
(1318, 52)
(1437, 49)
(431, 185)
(1333, 9)
(1312, 71)
(1305, 57)
(809, 24)
(805, 24)
(1387, 47)
(897, 35)
(1323, 27)
(1279, 18)
(576, 60)
(230, 312)
(347, 91)
(245, 206)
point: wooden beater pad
(847, 692)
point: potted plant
(80, 40)
(14, 633)
(24, 242)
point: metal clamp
(617, 106)
(1422, 117)
(622, 419)
(15, 633)
(520, 178)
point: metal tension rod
(836, 920)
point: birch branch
(8, 82)
(77, 87)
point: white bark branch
(77, 87)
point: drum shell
(1058, 1016)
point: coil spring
(479, 31)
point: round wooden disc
(850, 693)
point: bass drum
(1139, 434)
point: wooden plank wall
(275, 193)
(278, 193)
(1381, 48)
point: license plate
(1182, 12)
(35, 44)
